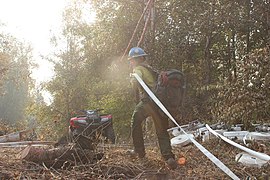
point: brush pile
(115, 163)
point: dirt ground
(116, 164)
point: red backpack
(170, 88)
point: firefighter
(146, 107)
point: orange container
(182, 161)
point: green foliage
(6, 127)
(16, 82)
(208, 40)
(114, 96)
(44, 119)
(4, 67)
(246, 99)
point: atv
(88, 128)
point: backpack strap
(163, 78)
(153, 71)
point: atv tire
(109, 133)
(84, 142)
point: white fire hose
(216, 161)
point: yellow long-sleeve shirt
(146, 76)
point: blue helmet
(136, 52)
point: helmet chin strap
(141, 60)
(133, 63)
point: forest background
(222, 47)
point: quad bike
(87, 129)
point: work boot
(135, 154)
(171, 162)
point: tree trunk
(248, 25)
(229, 60)
(233, 54)
(208, 71)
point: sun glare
(34, 21)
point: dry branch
(26, 143)
(57, 157)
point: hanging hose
(145, 27)
(135, 30)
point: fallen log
(59, 157)
(16, 136)
(26, 143)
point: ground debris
(116, 164)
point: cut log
(57, 157)
(10, 137)
(16, 136)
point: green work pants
(143, 109)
